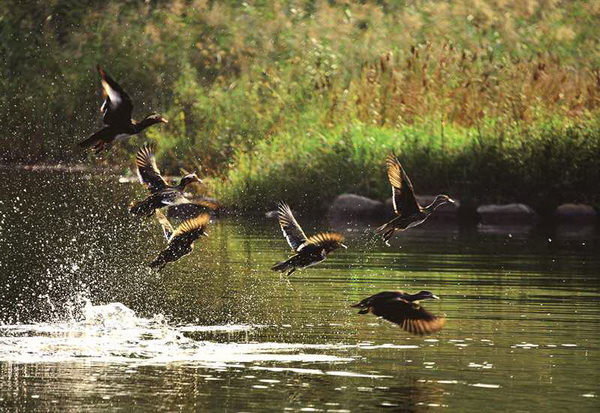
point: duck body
(308, 258)
(309, 251)
(163, 198)
(117, 109)
(409, 213)
(403, 309)
(161, 193)
(172, 253)
(401, 223)
(180, 242)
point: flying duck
(180, 242)
(161, 194)
(410, 213)
(403, 309)
(117, 108)
(309, 251)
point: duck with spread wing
(308, 250)
(117, 109)
(409, 212)
(161, 194)
(403, 309)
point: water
(85, 326)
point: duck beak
(205, 234)
(435, 297)
(452, 201)
(163, 120)
(344, 246)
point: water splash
(113, 333)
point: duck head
(189, 179)
(441, 200)
(153, 118)
(423, 295)
(149, 120)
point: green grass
(543, 165)
(486, 99)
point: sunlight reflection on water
(219, 331)
(113, 333)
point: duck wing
(190, 230)
(117, 106)
(289, 226)
(148, 172)
(410, 316)
(323, 240)
(403, 194)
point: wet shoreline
(466, 213)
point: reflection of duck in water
(309, 251)
(410, 213)
(161, 194)
(180, 242)
(117, 108)
(403, 309)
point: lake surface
(86, 326)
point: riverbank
(542, 165)
(347, 209)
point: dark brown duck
(403, 309)
(117, 109)
(309, 250)
(180, 242)
(161, 193)
(409, 212)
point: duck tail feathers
(386, 231)
(95, 139)
(382, 228)
(281, 266)
(141, 208)
(158, 264)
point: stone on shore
(575, 213)
(351, 206)
(507, 214)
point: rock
(507, 214)
(575, 213)
(519, 231)
(348, 206)
(445, 212)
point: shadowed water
(85, 326)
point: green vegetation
(542, 165)
(493, 100)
